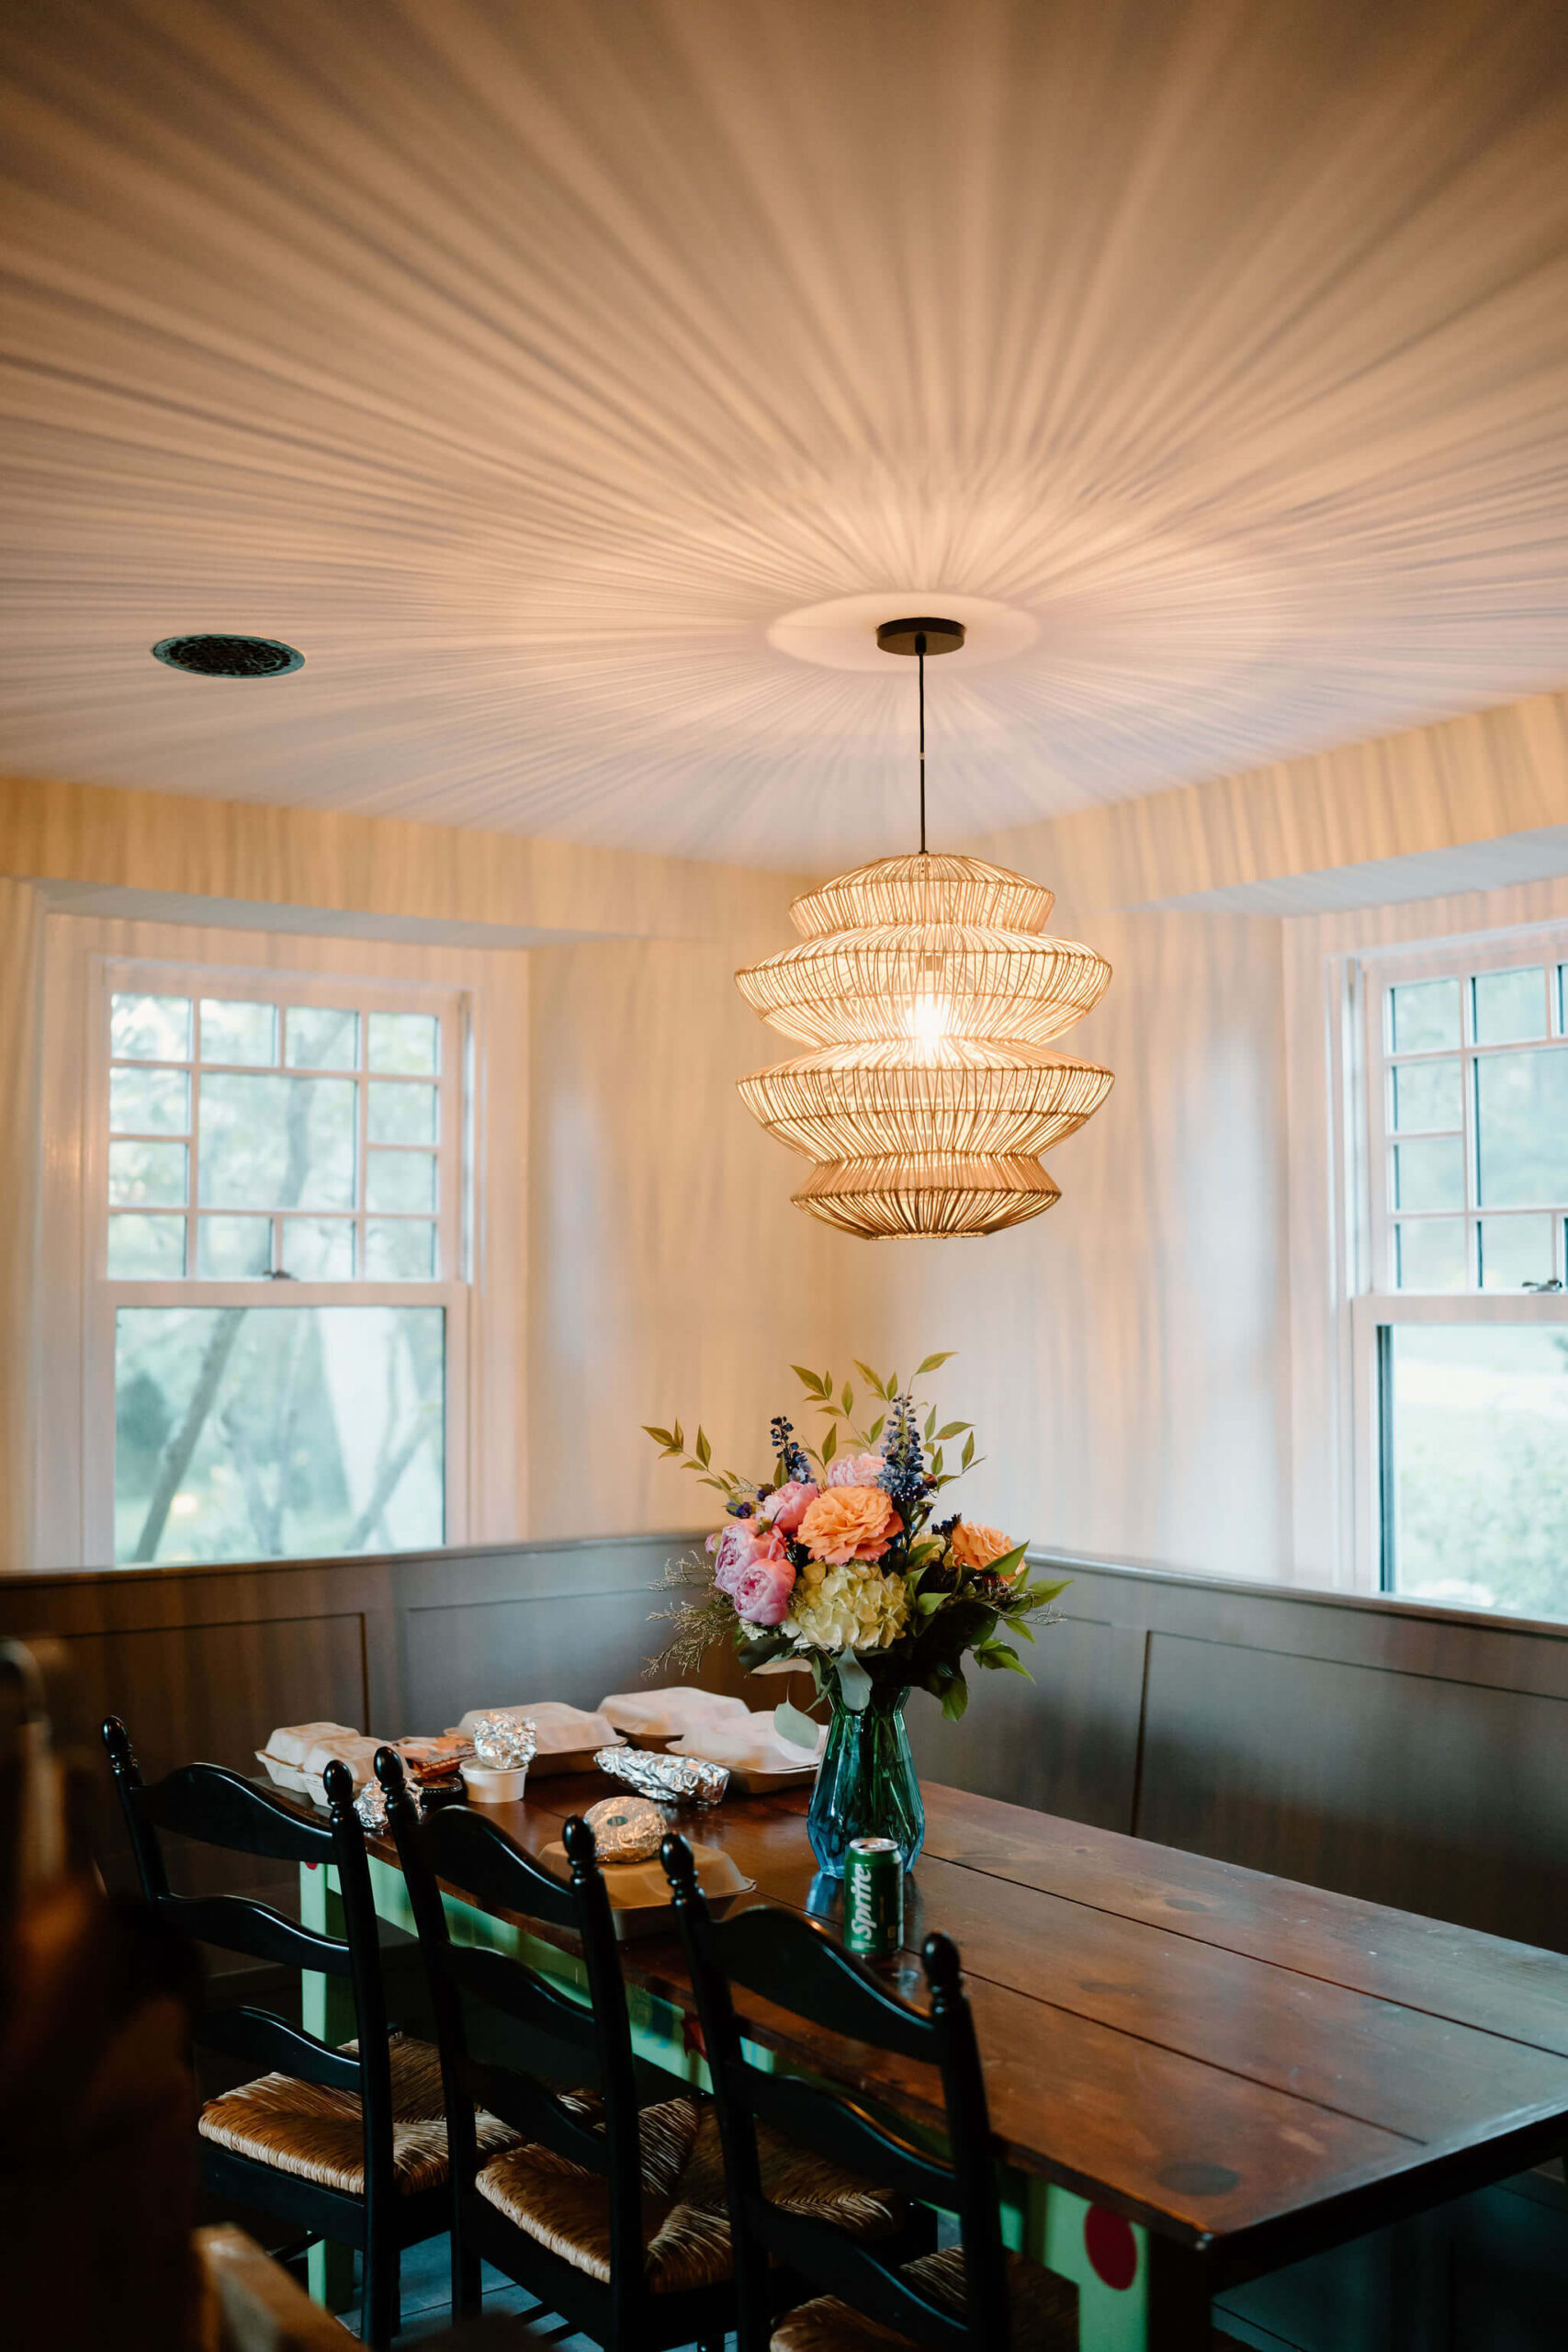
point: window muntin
(252, 1137)
(278, 1251)
(1470, 1129)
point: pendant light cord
(921, 656)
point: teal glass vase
(866, 1785)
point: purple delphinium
(791, 1453)
(904, 1477)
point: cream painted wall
(1470, 779)
(1126, 1355)
(672, 1276)
(20, 964)
(663, 1267)
(1131, 1356)
(365, 867)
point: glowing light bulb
(929, 1018)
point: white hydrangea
(849, 1608)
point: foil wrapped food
(503, 1742)
(370, 1805)
(668, 1780)
(625, 1829)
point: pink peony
(788, 1505)
(735, 1546)
(743, 1543)
(856, 1470)
(760, 1591)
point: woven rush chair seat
(685, 2215)
(318, 2133)
(1043, 2310)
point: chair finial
(680, 1868)
(390, 1771)
(117, 1739)
(582, 1849)
(338, 1783)
(944, 1974)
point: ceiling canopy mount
(920, 637)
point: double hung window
(277, 1264)
(1462, 1329)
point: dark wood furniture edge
(1356, 2206)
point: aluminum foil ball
(625, 1829)
(504, 1742)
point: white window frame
(1375, 1304)
(103, 1295)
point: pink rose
(856, 1470)
(761, 1592)
(788, 1505)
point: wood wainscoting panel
(575, 1647)
(208, 1693)
(1066, 1742)
(1435, 1795)
(1381, 1747)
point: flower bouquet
(839, 1564)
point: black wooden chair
(974, 2297)
(347, 2144)
(613, 2212)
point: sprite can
(873, 1898)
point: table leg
(1181, 2289)
(1105, 2257)
(326, 2009)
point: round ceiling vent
(229, 657)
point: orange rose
(977, 1547)
(850, 1523)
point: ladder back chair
(596, 2211)
(613, 2215)
(974, 2297)
(971, 2296)
(348, 2144)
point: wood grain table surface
(1253, 2069)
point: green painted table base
(1049, 2224)
(326, 2009)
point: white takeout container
(567, 1738)
(488, 1785)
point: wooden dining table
(1197, 2073)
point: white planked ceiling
(528, 365)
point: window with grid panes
(281, 1230)
(1465, 1329)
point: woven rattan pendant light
(929, 994)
